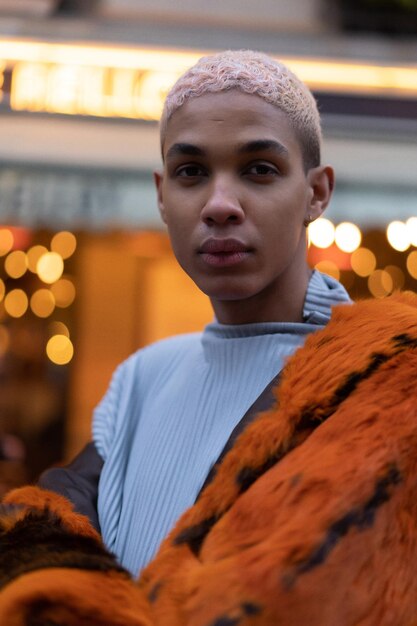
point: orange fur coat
(310, 519)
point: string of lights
(344, 252)
(53, 290)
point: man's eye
(190, 171)
(261, 169)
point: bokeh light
(398, 235)
(411, 224)
(397, 275)
(321, 233)
(16, 303)
(16, 264)
(380, 283)
(42, 303)
(50, 267)
(2, 289)
(6, 241)
(347, 236)
(21, 237)
(412, 264)
(328, 267)
(64, 243)
(58, 328)
(33, 255)
(64, 292)
(60, 349)
(363, 262)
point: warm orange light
(78, 90)
(16, 264)
(64, 292)
(412, 264)
(397, 276)
(328, 267)
(64, 243)
(363, 261)
(60, 349)
(333, 254)
(33, 255)
(380, 283)
(16, 303)
(97, 55)
(21, 237)
(6, 241)
(42, 303)
(359, 77)
(58, 328)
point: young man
(293, 507)
(241, 180)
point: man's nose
(222, 205)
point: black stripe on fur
(154, 592)
(312, 416)
(404, 341)
(40, 541)
(195, 535)
(226, 621)
(361, 518)
(35, 617)
(247, 609)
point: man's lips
(224, 252)
(218, 246)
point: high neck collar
(323, 292)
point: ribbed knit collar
(323, 292)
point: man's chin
(229, 295)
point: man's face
(234, 195)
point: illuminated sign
(88, 80)
(79, 90)
(104, 81)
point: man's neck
(280, 303)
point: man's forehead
(234, 115)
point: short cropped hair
(258, 74)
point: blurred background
(86, 271)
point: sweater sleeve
(78, 481)
(105, 414)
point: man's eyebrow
(264, 144)
(186, 149)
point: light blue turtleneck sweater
(169, 411)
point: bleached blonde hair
(253, 73)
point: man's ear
(158, 180)
(321, 180)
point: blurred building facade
(82, 84)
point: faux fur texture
(55, 571)
(311, 517)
